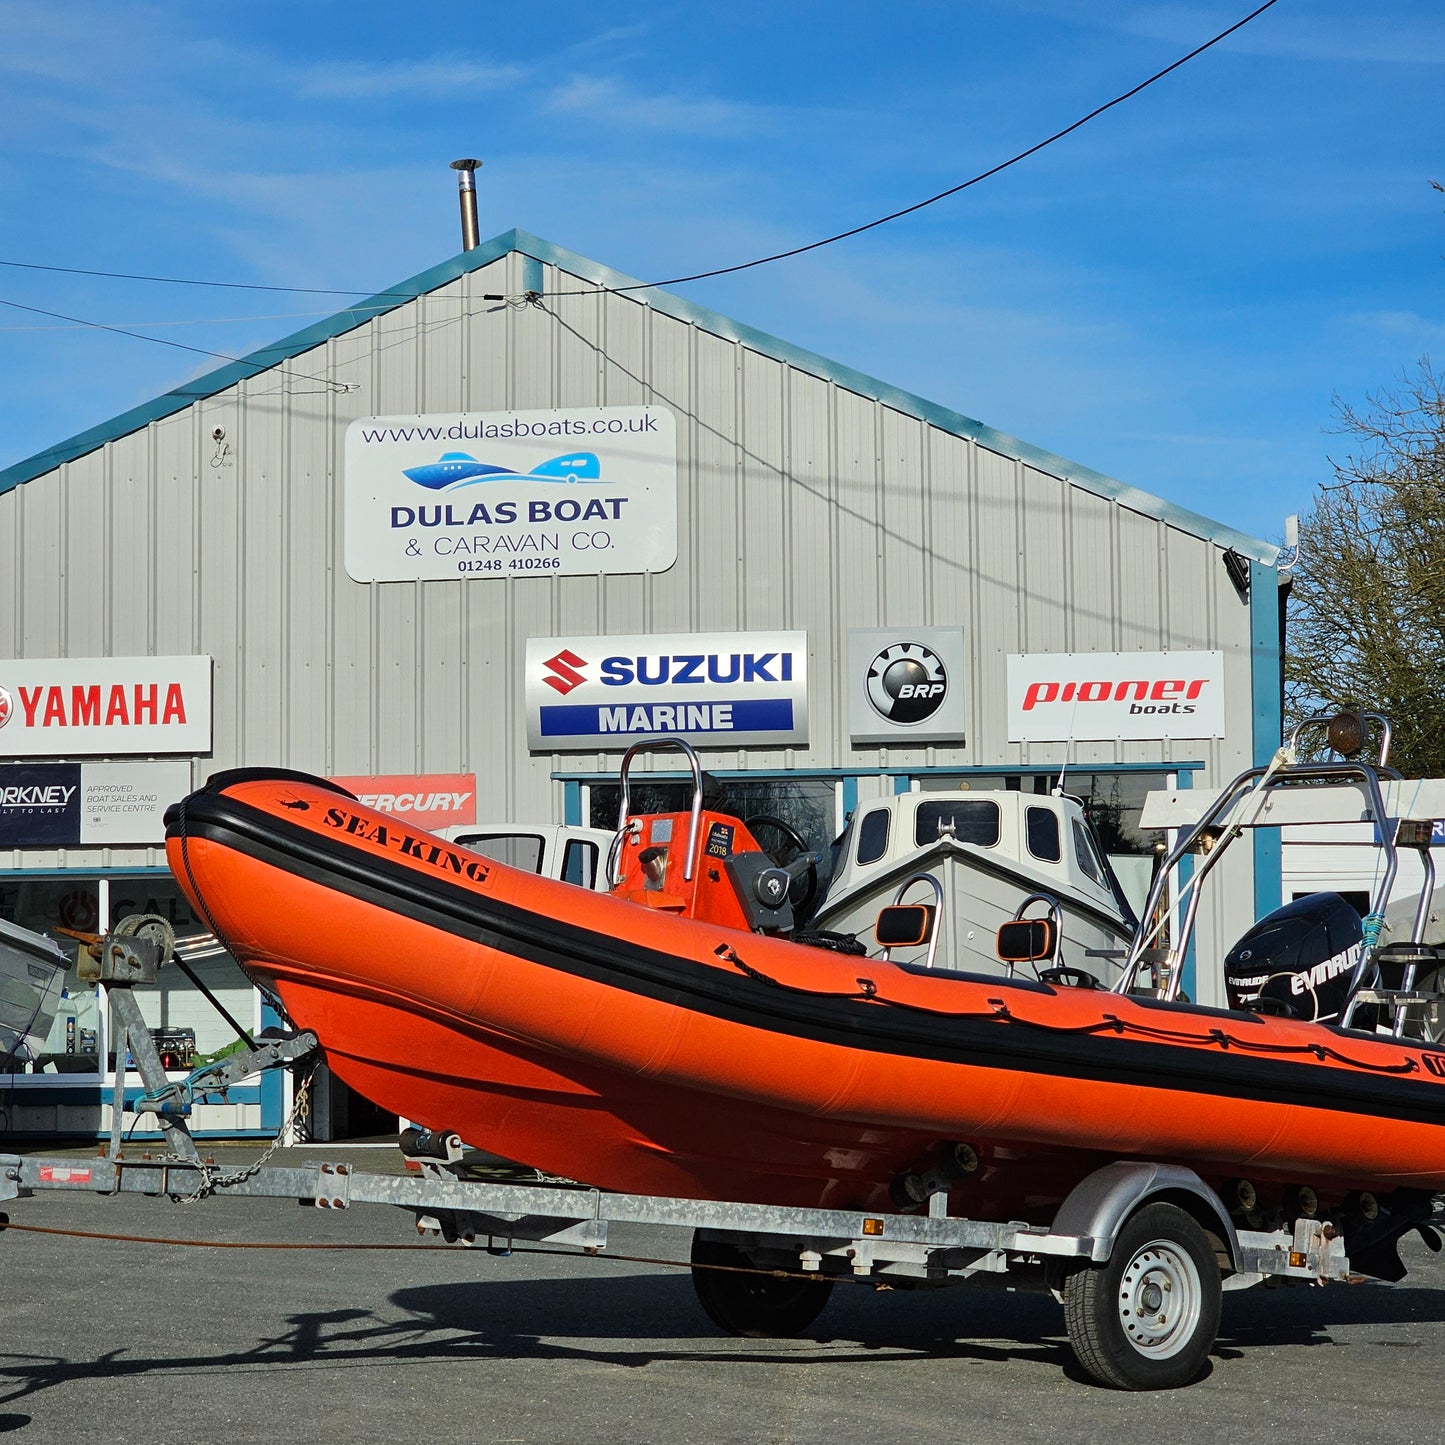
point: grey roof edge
(689, 312)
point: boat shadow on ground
(641, 1321)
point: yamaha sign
(906, 685)
(724, 689)
(104, 706)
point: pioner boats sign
(1098, 696)
(511, 494)
(716, 689)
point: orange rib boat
(654, 1041)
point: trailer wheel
(759, 1306)
(1146, 1319)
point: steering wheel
(805, 862)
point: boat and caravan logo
(460, 469)
(731, 689)
(907, 683)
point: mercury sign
(716, 689)
(73, 706)
(1099, 696)
(511, 494)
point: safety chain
(210, 1180)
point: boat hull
(32, 979)
(639, 1051)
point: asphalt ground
(104, 1340)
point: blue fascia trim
(1265, 675)
(572, 803)
(973, 769)
(541, 252)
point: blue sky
(1172, 296)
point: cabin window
(516, 850)
(1042, 826)
(968, 820)
(1084, 852)
(873, 836)
(579, 863)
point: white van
(553, 850)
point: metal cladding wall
(809, 498)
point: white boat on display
(32, 980)
(981, 859)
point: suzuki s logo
(563, 673)
(907, 683)
(7, 706)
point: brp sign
(906, 685)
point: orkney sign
(715, 689)
(1100, 696)
(559, 493)
(102, 805)
(104, 706)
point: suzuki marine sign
(104, 706)
(1100, 696)
(719, 689)
(511, 494)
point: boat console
(704, 864)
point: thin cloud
(606, 98)
(435, 78)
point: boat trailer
(1139, 1253)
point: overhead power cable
(638, 285)
(186, 281)
(178, 345)
(942, 195)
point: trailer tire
(1146, 1319)
(757, 1306)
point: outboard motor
(1297, 960)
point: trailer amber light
(872, 1226)
(1297, 1260)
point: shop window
(46, 905)
(873, 836)
(181, 1020)
(1042, 827)
(974, 820)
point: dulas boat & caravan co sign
(571, 492)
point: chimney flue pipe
(467, 194)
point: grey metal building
(809, 499)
